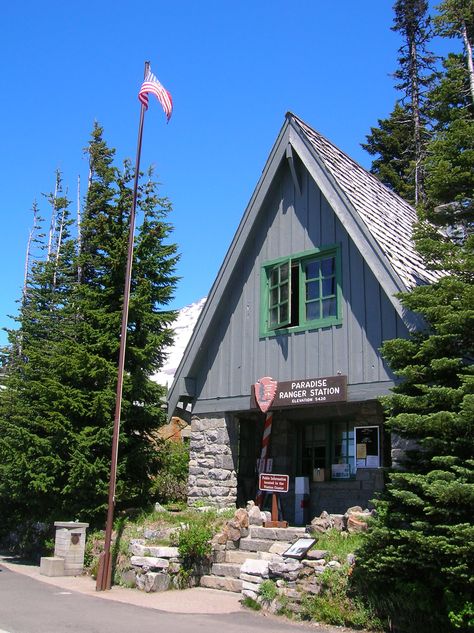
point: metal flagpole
(104, 574)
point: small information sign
(273, 483)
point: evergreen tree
(418, 559)
(56, 412)
(399, 162)
(415, 75)
(34, 428)
(391, 144)
(456, 19)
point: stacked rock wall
(212, 461)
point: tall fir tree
(56, 412)
(456, 19)
(399, 162)
(34, 429)
(418, 559)
(391, 144)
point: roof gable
(377, 220)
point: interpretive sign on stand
(269, 482)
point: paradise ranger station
(295, 319)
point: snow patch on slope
(183, 328)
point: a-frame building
(305, 295)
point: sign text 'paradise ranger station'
(309, 391)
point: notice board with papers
(367, 445)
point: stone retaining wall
(212, 461)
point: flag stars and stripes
(153, 86)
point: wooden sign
(273, 483)
(297, 393)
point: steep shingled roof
(387, 216)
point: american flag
(151, 84)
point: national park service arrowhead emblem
(265, 390)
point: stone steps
(230, 570)
(236, 556)
(276, 534)
(221, 582)
(260, 545)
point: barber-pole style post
(265, 390)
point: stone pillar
(212, 467)
(401, 449)
(69, 544)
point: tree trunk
(470, 65)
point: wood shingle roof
(387, 216)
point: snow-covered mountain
(183, 328)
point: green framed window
(301, 291)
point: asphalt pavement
(30, 605)
(195, 600)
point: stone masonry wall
(212, 461)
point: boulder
(220, 539)
(337, 521)
(255, 567)
(255, 516)
(242, 516)
(320, 524)
(232, 530)
(156, 582)
(355, 524)
(149, 562)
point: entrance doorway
(250, 446)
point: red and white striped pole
(265, 390)
(267, 431)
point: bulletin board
(367, 446)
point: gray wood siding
(233, 356)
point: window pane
(312, 290)
(284, 292)
(274, 277)
(284, 272)
(312, 270)
(328, 266)
(329, 286)
(313, 311)
(329, 307)
(273, 316)
(284, 312)
(273, 297)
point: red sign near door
(273, 483)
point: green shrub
(250, 603)
(194, 542)
(268, 591)
(337, 604)
(170, 484)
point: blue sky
(233, 68)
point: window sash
(279, 295)
(317, 292)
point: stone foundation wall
(401, 447)
(212, 461)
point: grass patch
(339, 544)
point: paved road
(30, 606)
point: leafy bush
(268, 591)
(194, 542)
(337, 604)
(170, 484)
